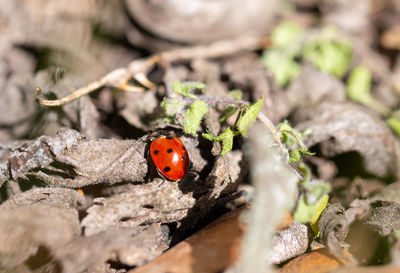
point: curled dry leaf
(51, 197)
(307, 90)
(290, 242)
(167, 19)
(130, 246)
(165, 203)
(334, 227)
(247, 73)
(139, 114)
(390, 193)
(344, 127)
(24, 229)
(75, 161)
(384, 217)
(317, 261)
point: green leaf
(394, 124)
(315, 189)
(282, 65)
(320, 206)
(359, 85)
(226, 137)
(171, 107)
(295, 156)
(193, 116)
(328, 52)
(184, 88)
(310, 213)
(237, 95)
(286, 46)
(285, 34)
(249, 116)
(228, 113)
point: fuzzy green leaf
(329, 52)
(226, 137)
(310, 213)
(359, 85)
(171, 107)
(249, 116)
(237, 95)
(394, 124)
(228, 113)
(319, 208)
(295, 156)
(285, 34)
(184, 88)
(193, 116)
(282, 65)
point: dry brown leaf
(306, 90)
(290, 242)
(211, 249)
(343, 127)
(71, 160)
(24, 229)
(130, 246)
(171, 22)
(370, 269)
(317, 261)
(164, 203)
(390, 38)
(51, 197)
(384, 217)
(334, 227)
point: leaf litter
(85, 198)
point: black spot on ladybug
(169, 150)
(169, 137)
(167, 169)
(183, 147)
(156, 152)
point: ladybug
(170, 157)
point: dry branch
(140, 67)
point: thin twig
(140, 67)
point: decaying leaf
(320, 260)
(384, 217)
(69, 159)
(130, 246)
(51, 197)
(165, 203)
(306, 90)
(139, 114)
(344, 127)
(390, 193)
(333, 228)
(24, 229)
(290, 243)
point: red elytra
(170, 157)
